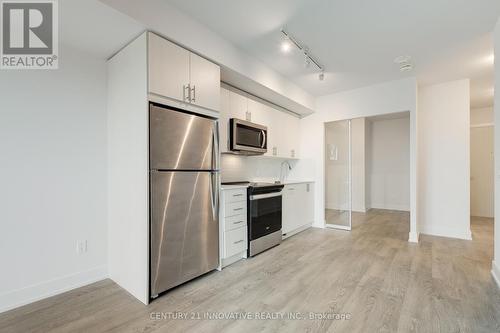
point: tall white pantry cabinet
(149, 69)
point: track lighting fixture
(289, 41)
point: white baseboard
(413, 237)
(296, 231)
(231, 260)
(446, 232)
(495, 272)
(33, 293)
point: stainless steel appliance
(264, 216)
(247, 138)
(184, 197)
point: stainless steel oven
(247, 138)
(264, 217)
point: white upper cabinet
(238, 105)
(282, 127)
(179, 74)
(168, 68)
(292, 138)
(283, 134)
(204, 82)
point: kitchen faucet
(282, 177)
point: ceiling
(357, 40)
(108, 32)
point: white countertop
(289, 182)
(286, 182)
(233, 187)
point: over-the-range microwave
(246, 137)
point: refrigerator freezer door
(184, 235)
(182, 141)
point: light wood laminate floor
(372, 273)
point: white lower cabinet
(233, 239)
(298, 208)
(234, 222)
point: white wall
(358, 139)
(128, 176)
(388, 163)
(385, 98)
(53, 179)
(444, 162)
(168, 21)
(496, 261)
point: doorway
(367, 168)
(482, 171)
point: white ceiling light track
(291, 40)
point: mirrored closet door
(338, 178)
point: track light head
(286, 46)
(307, 62)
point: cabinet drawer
(236, 208)
(234, 222)
(235, 195)
(235, 241)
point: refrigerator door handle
(214, 195)
(217, 196)
(215, 147)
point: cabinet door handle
(236, 209)
(240, 241)
(194, 94)
(239, 222)
(237, 195)
(186, 96)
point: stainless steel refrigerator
(184, 197)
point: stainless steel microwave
(246, 137)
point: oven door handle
(264, 196)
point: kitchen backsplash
(251, 168)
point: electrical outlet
(81, 247)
